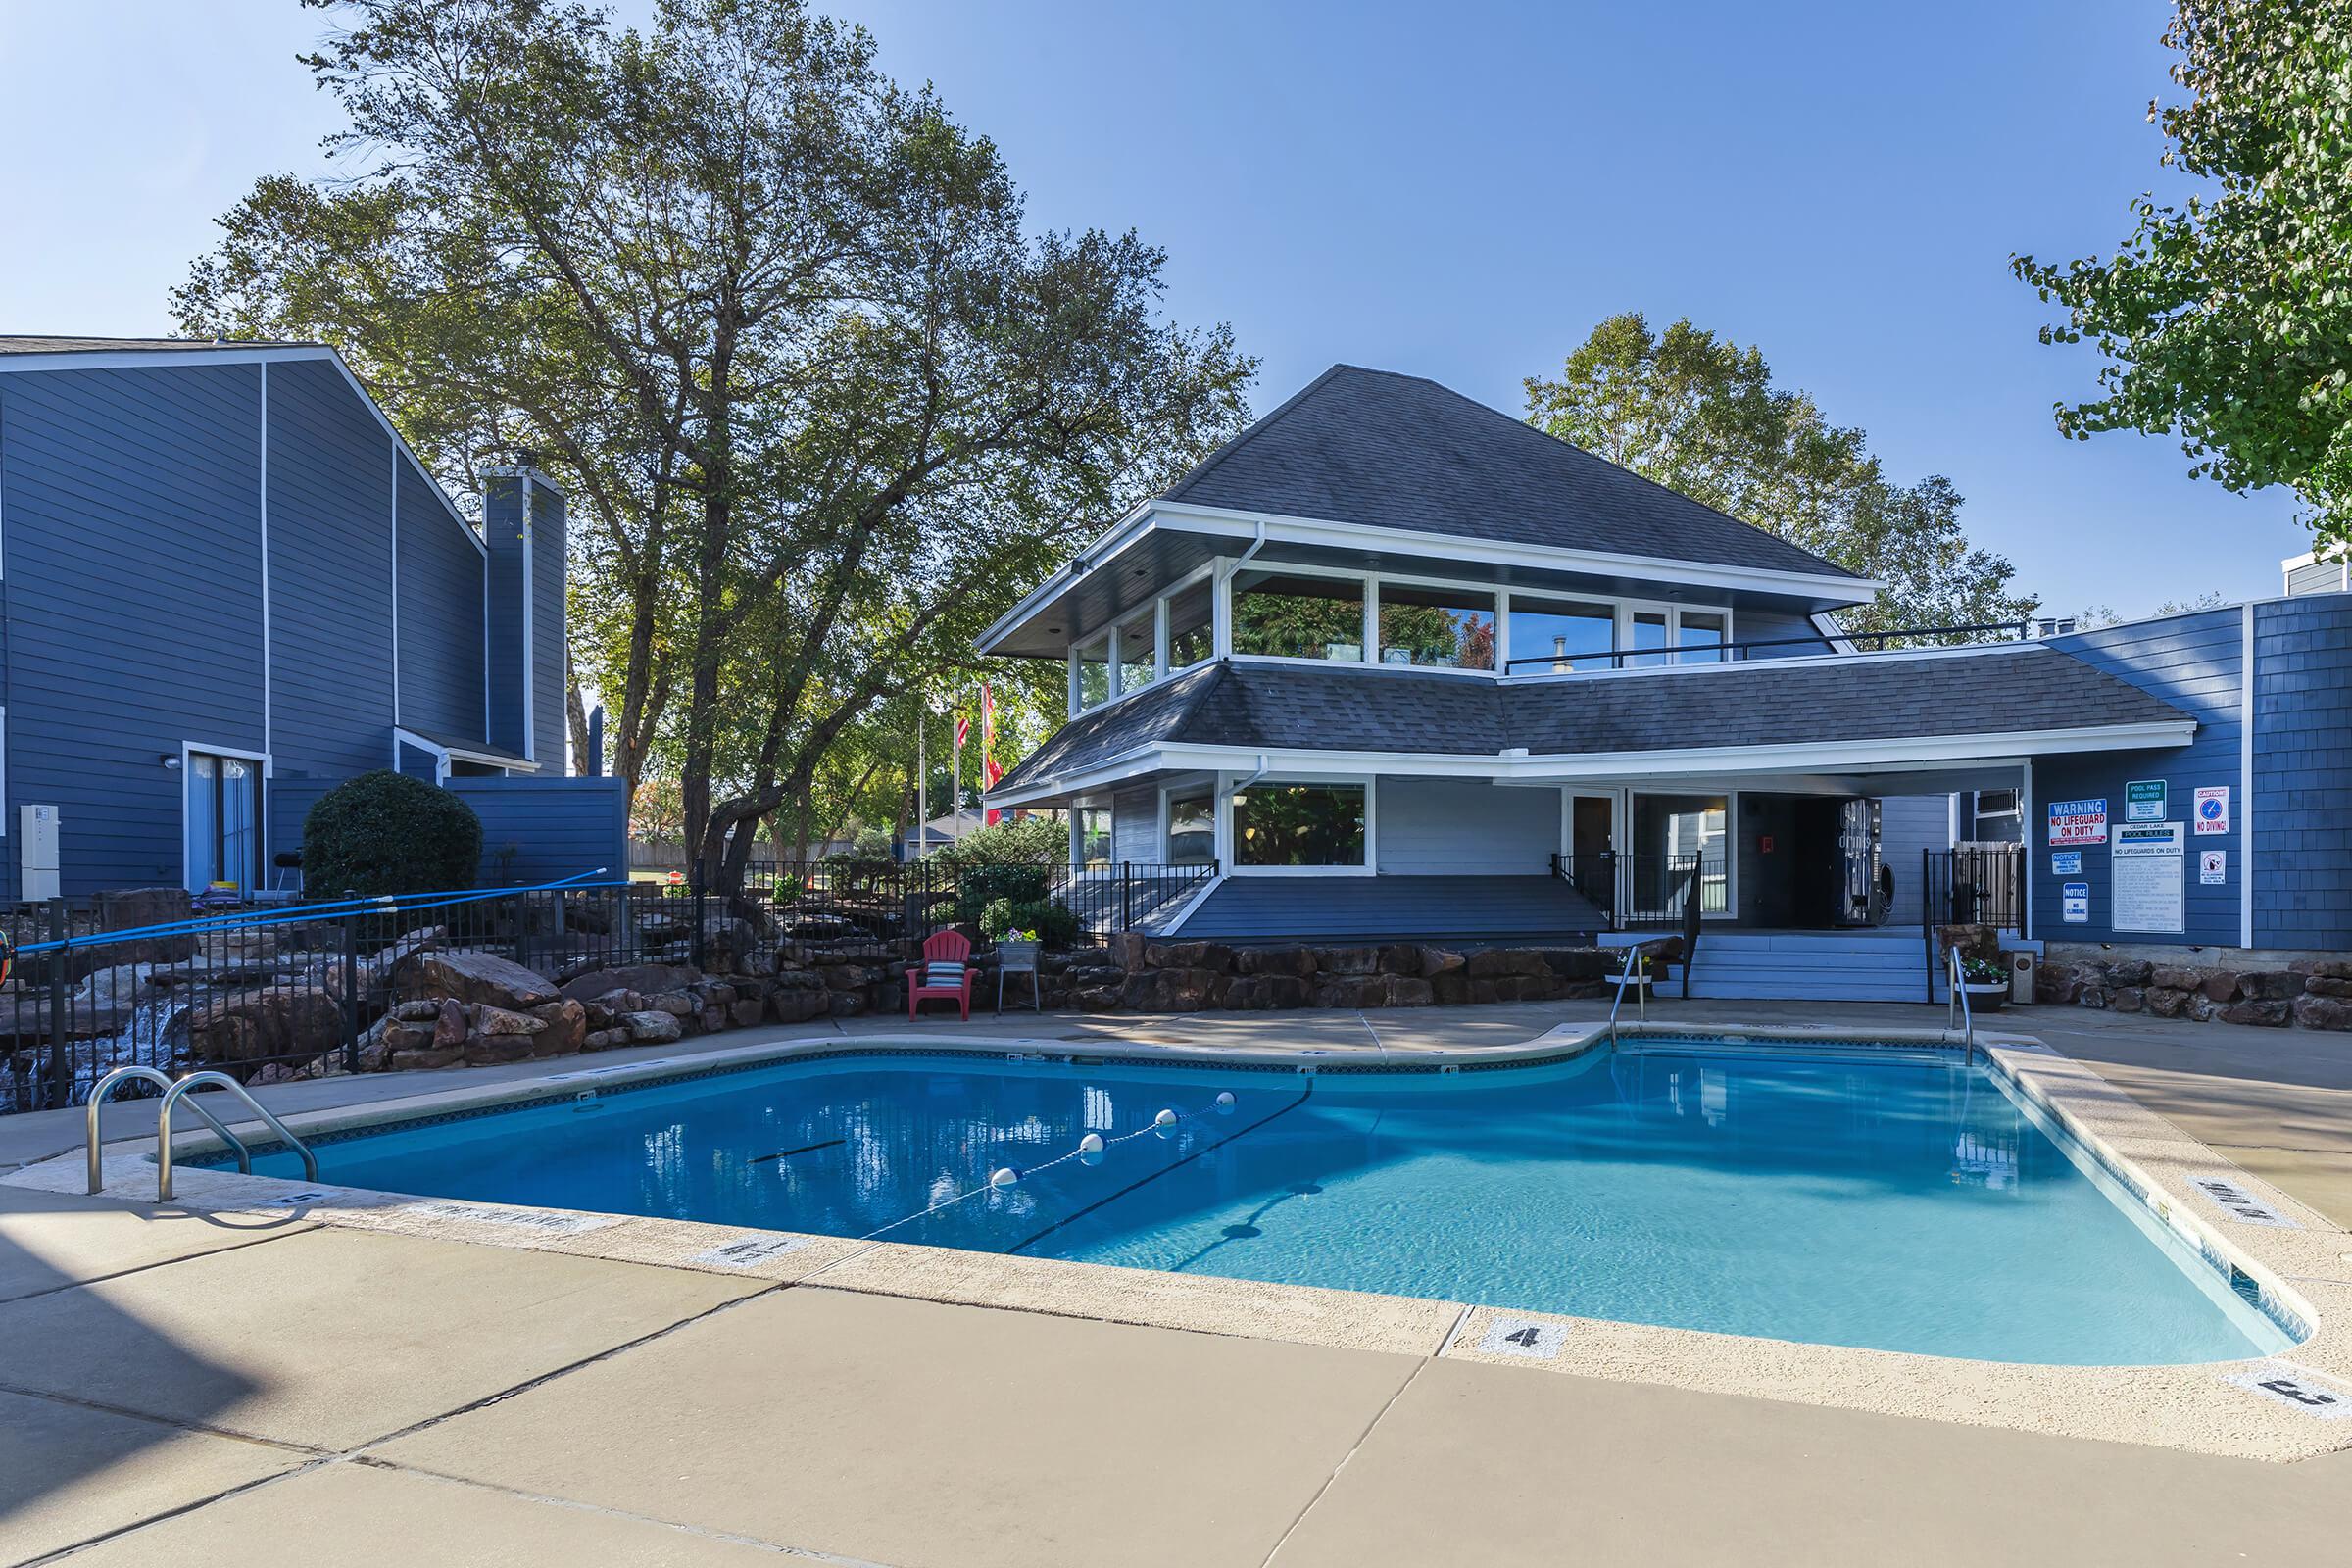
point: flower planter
(1985, 995)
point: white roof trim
(464, 753)
(1188, 517)
(227, 353)
(1812, 756)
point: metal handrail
(1735, 653)
(195, 1080)
(1633, 955)
(1957, 1007)
(122, 1075)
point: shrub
(385, 832)
(1053, 923)
(1029, 841)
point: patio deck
(184, 1383)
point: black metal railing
(1647, 892)
(1971, 884)
(1565, 662)
(307, 989)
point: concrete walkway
(181, 1386)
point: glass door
(222, 818)
(1592, 847)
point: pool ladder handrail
(173, 1093)
(1957, 1010)
(1633, 955)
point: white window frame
(1196, 784)
(1730, 838)
(1495, 595)
(1366, 634)
(1230, 858)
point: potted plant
(1986, 983)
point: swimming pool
(1869, 1197)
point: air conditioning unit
(2022, 967)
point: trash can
(2021, 967)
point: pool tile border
(2214, 1409)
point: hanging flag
(991, 769)
(963, 730)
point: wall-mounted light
(170, 758)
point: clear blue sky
(1460, 191)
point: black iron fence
(1647, 892)
(306, 989)
(1977, 884)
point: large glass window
(1296, 616)
(1298, 824)
(1562, 635)
(1094, 673)
(1192, 632)
(1138, 658)
(1698, 637)
(223, 817)
(1192, 829)
(1450, 628)
(1093, 835)
(1647, 632)
(1678, 838)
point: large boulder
(2271, 985)
(1282, 960)
(2322, 1012)
(1522, 962)
(640, 977)
(1173, 990)
(2262, 1014)
(482, 978)
(564, 1027)
(653, 1028)
(289, 1026)
(2324, 985)
(1251, 992)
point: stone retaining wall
(2313, 994)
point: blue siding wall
(1909, 824)
(441, 607)
(546, 627)
(556, 827)
(1750, 624)
(1135, 826)
(502, 526)
(2302, 822)
(2192, 661)
(330, 576)
(133, 602)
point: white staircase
(1884, 965)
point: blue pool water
(1902, 1204)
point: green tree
(1700, 415)
(2226, 317)
(776, 319)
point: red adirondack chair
(944, 972)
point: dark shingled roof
(1769, 702)
(1391, 451)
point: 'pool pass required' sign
(2079, 822)
(2144, 800)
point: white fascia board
(463, 753)
(1277, 529)
(1700, 669)
(227, 353)
(1828, 625)
(1281, 529)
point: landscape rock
(451, 1024)
(1522, 962)
(471, 976)
(653, 1028)
(643, 978)
(2321, 985)
(2167, 1001)
(1436, 962)
(489, 1020)
(2128, 999)
(564, 1027)
(1283, 960)
(2313, 1011)
(2270, 1013)
(1173, 990)
(2271, 985)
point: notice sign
(2078, 822)
(2066, 862)
(2146, 862)
(2213, 867)
(2145, 801)
(2212, 811)
(2074, 903)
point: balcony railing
(1575, 664)
(1646, 892)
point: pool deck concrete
(181, 1383)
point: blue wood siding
(2194, 662)
(1443, 826)
(330, 576)
(554, 827)
(1907, 826)
(133, 596)
(546, 627)
(1756, 624)
(417, 763)
(1351, 908)
(441, 573)
(502, 519)
(2302, 823)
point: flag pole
(923, 814)
(955, 783)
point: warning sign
(2212, 811)
(2213, 867)
(2077, 822)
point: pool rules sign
(2149, 876)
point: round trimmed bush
(385, 832)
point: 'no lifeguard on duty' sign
(2079, 822)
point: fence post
(523, 929)
(695, 881)
(351, 993)
(1126, 894)
(60, 1065)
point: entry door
(1592, 847)
(223, 822)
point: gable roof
(27, 343)
(1391, 451)
(1869, 697)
